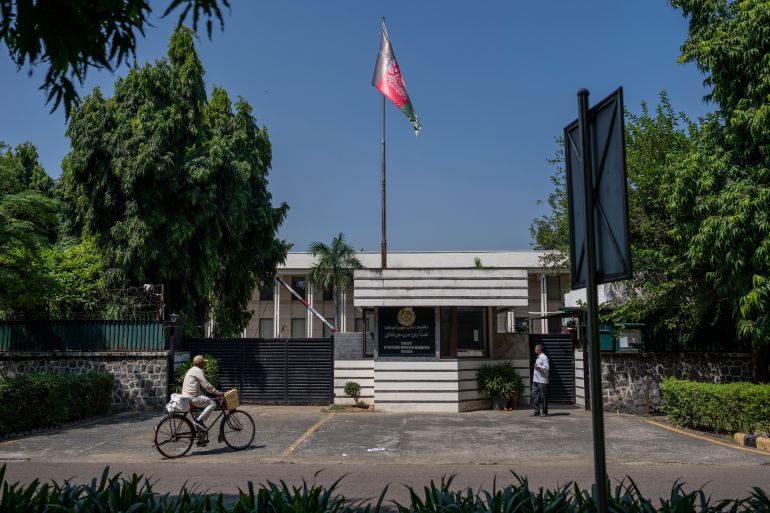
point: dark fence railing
(82, 336)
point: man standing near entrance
(540, 383)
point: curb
(760, 442)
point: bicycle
(175, 433)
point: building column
(543, 303)
(311, 301)
(276, 310)
(343, 311)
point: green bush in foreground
(729, 407)
(34, 401)
(135, 495)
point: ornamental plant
(353, 390)
(499, 380)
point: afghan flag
(388, 79)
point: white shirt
(195, 382)
(540, 374)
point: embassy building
(414, 335)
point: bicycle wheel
(238, 429)
(174, 436)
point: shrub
(714, 407)
(353, 390)
(500, 380)
(35, 401)
(136, 494)
(210, 370)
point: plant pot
(513, 401)
(498, 403)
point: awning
(440, 287)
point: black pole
(384, 243)
(592, 329)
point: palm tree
(334, 268)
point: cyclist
(194, 384)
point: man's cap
(198, 359)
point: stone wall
(140, 377)
(630, 381)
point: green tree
(722, 189)
(172, 186)
(75, 266)
(334, 268)
(69, 37)
(27, 218)
(665, 288)
(551, 231)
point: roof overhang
(440, 287)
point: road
(375, 449)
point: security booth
(433, 329)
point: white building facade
(414, 335)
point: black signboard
(406, 332)
(608, 158)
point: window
(521, 325)
(265, 292)
(327, 332)
(298, 328)
(471, 330)
(553, 287)
(298, 284)
(328, 294)
(266, 328)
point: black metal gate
(561, 355)
(273, 371)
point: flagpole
(384, 240)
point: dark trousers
(540, 397)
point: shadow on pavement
(222, 450)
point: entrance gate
(561, 376)
(273, 371)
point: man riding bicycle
(193, 385)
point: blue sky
(492, 82)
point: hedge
(35, 401)
(135, 495)
(729, 407)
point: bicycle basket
(231, 401)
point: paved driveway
(483, 437)
(373, 449)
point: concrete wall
(437, 386)
(360, 371)
(140, 377)
(630, 381)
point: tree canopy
(71, 36)
(551, 231)
(722, 190)
(28, 218)
(334, 268)
(699, 193)
(172, 185)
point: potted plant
(501, 382)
